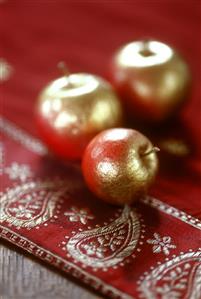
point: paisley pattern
(179, 278)
(32, 203)
(108, 245)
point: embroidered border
(62, 264)
(31, 143)
(161, 206)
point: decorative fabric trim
(31, 143)
(161, 206)
(61, 263)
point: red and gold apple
(73, 109)
(152, 79)
(119, 165)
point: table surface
(22, 277)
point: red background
(35, 35)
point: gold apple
(152, 79)
(119, 165)
(71, 110)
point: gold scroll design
(179, 278)
(109, 245)
(31, 204)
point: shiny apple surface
(119, 165)
(72, 110)
(152, 79)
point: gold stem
(145, 51)
(152, 150)
(63, 68)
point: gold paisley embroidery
(108, 245)
(32, 203)
(178, 278)
(195, 291)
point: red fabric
(34, 36)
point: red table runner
(150, 250)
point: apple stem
(63, 68)
(153, 150)
(146, 52)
